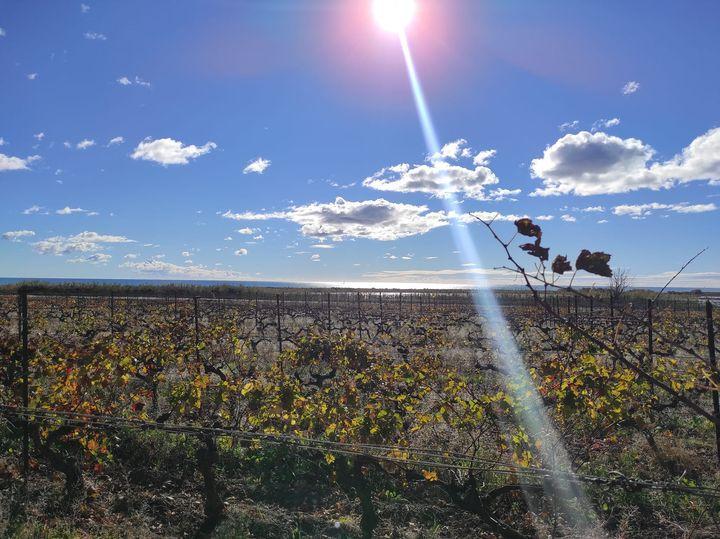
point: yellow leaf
(430, 475)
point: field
(347, 413)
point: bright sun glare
(394, 15)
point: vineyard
(346, 413)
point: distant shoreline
(169, 286)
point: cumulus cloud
(315, 258)
(441, 178)
(597, 163)
(8, 162)
(116, 140)
(630, 87)
(342, 219)
(568, 218)
(258, 166)
(640, 211)
(593, 209)
(545, 217)
(32, 76)
(84, 242)
(167, 151)
(246, 231)
(438, 179)
(188, 271)
(17, 235)
(322, 246)
(372, 219)
(452, 150)
(241, 252)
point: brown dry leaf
(560, 265)
(533, 249)
(596, 263)
(526, 227)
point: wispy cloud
(630, 87)
(640, 211)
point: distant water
(160, 282)
(284, 284)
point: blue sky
(278, 139)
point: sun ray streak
(519, 383)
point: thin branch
(678, 273)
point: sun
(394, 15)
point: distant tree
(619, 283)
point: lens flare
(531, 412)
(394, 15)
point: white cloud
(372, 219)
(8, 162)
(605, 124)
(245, 231)
(32, 76)
(597, 163)
(167, 151)
(17, 235)
(115, 140)
(451, 150)
(483, 158)
(67, 210)
(97, 258)
(2, 32)
(32, 210)
(241, 252)
(640, 211)
(567, 126)
(84, 144)
(79, 243)
(568, 218)
(322, 246)
(130, 256)
(602, 221)
(440, 178)
(545, 217)
(3, 142)
(95, 36)
(158, 267)
(84, 8)
(315, 257)
(125, 81)
(593, 209)
(630, 87)
(39, 136)
(342, 219)
(258, 166)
